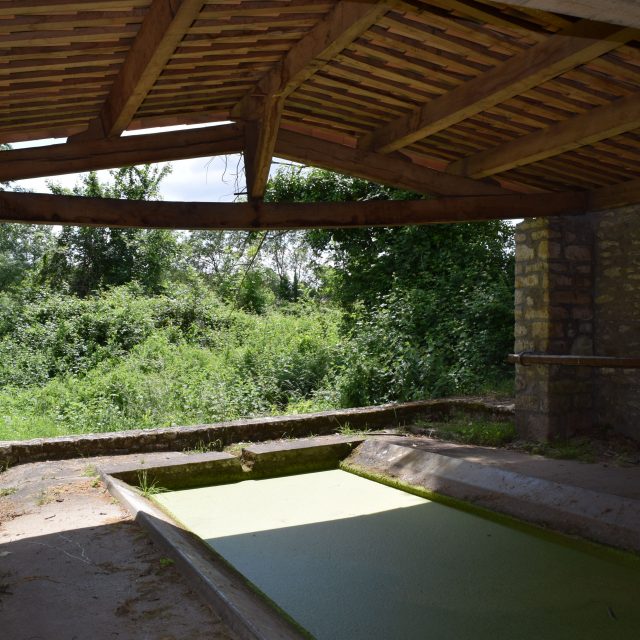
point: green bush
(165, 362)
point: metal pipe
(530, 358)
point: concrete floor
(351, 559)
(73, 565)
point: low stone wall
(222, 434)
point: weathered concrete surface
(187, 471)
(74, 565)
(298, 456)
(253, 430)
(561, 506)
(274, 458)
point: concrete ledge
(253, 430)
(298, 456)
(600, 517)
(225, 590)
(197, 470)
(266, 460)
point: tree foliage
(429, 308)
(87, 259)
(104, 329)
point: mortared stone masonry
(578, 293)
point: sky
(199, 179)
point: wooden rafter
(162, 30)
(118, 152)
(49, 209)
(261, 107)
(591, 127)
(328, 38)
(583, 42)
(393, 170)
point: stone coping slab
(223, 434)
(600, 517)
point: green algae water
(352, 559)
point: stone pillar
(554, 314)
(617, 314)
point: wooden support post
(260, 142)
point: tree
(429, 308)
(86, 259)
(21, 245)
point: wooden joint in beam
(346, 22)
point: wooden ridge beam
(625, 12)
(392, 170)
(162, 30)
(559, 53)
(34, 208)
(90, 155)
(600, 123)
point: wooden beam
(34, 208)
(72, 157)
(260, 142)
(617, 195)
(583, 42)
(625, 12)
(393, 170)
(161, 32)
(261, 107)
(347, 21)
(588, 128)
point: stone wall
(617, 317)
(216, 436)
(578, 293)
(554, 314)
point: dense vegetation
(105, 329)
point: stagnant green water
(352, 559)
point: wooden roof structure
(512, 109)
